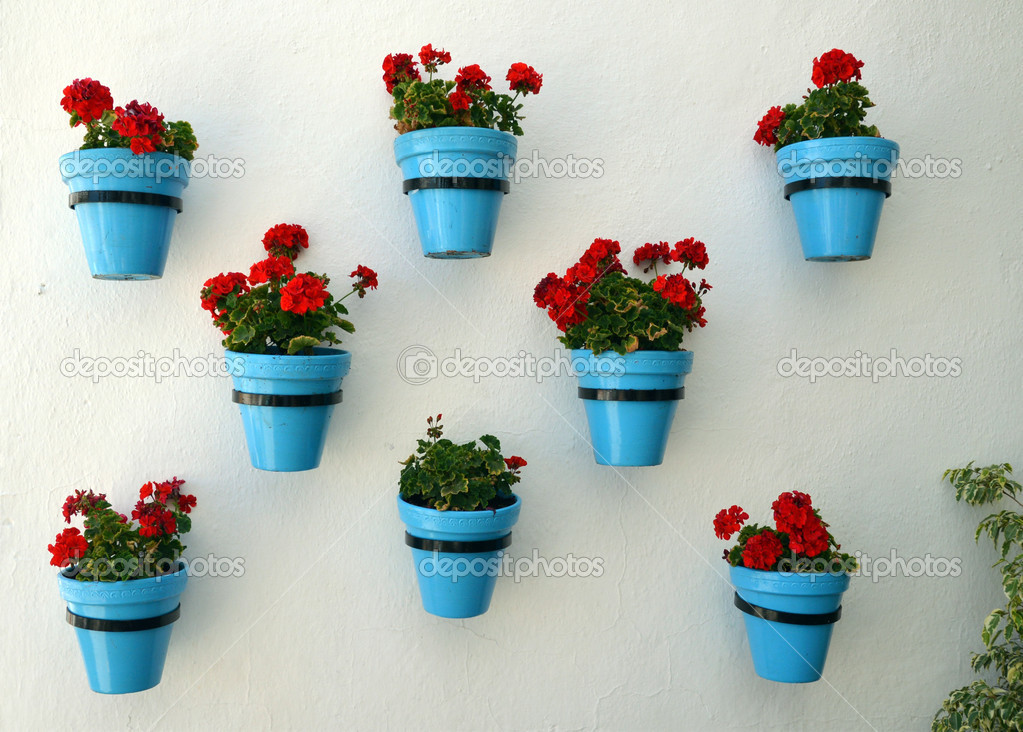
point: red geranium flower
(791, 511)
(69, 545)
(217, 287)
(692, 252)
(284, 240)
(676, 289)
(728, 521)
(186, 503)
(367, 279)
(762, 551)
(459, 100)
(271, 268)
(514, 463)
(767, 127)
(472, 78)
(142, 124)
(399, 67)
(835, 66)
(303, 293)
(652, 253)
(524, 79)
(431, 59)
(80, 502)
(564, 301)
(88, 99)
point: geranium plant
(448, 476)
(138, 126)
(597, 305)
(799, 542)
(835, 108)
(468, 101)
(276, 309)
(995, 703)
(114, 548)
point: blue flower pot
(286, 404)
(837, 187)
(457, 555)
(455, 178)
(788, 649)
(119, 658)
(630, 402)
(126, 205)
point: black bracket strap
(633, 395)
(456, 181)
(777, 616)
(458, 547)
(285, 400)
(843, 181)
(123, 626)
(140, 197)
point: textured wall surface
(324, 629)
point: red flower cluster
(80, 502)
(472, 79)
(431, 59)
(68, 546)
(88, 99)
(767, 127)
(155, 518)
(142, 123)
(728, 521)
(271, 269)
(762, 551)
(600, 258)
(794, 515)
(284, 240)
(303, 293)
(523, 78)
(835, 66)
(460, 101)
(367, 279)
(514, 463)
(676, 289)
(692, 252)
(564, 301)
(652, 253)
(219, 287)
(399, 67)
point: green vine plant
(993, 706)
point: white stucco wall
(325, 629)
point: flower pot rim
(133, 591)
(121, 152)
(789, 583)
(457, 129)
(845, 140)
(468, 514)
(320, 353)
